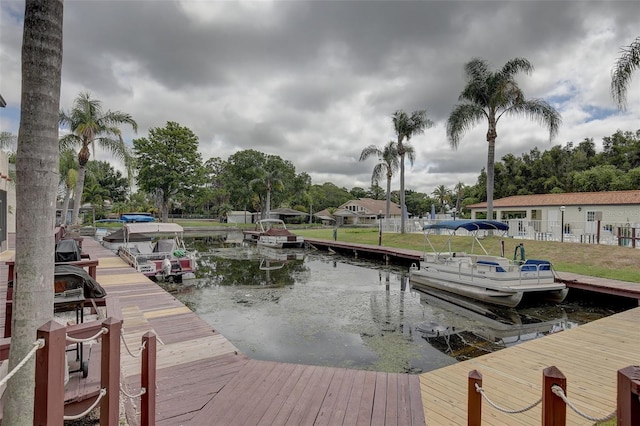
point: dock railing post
(474, 399)
(50, 366)
(110, 372)
(148, 380)
(628, 410)
(554, 410)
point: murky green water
(316, 308)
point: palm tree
(443, 195)
(36, 165)
(459, 191)
(621, 76)
(489, 95)
(89, 124)
(387, 166)
(406, 127)
(271, 180)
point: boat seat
(534, 265)
(489, 263)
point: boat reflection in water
(470, 328)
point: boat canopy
(469, 225)
(152, 228)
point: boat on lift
(273, 233)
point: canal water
(313, 307)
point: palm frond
(462, 118)
(540, 111)
(628, 62)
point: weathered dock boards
(202, 376)
(601, 285)
(386, 254)
(589, 356)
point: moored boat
(490, 279)
(273, 233)
(158, 251)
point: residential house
(578, 213)
(361, 211)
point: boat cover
(136, 218)
(68, 251)
(152, 228)
(92, 289)
(469, 225)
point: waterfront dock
(204, 379)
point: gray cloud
(315, 82)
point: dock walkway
(203, 379)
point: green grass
(620, 263)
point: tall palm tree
(90, 124)
(388, 164)
(406, 126)
(621, 76)
(489, 95)
(269, 180)
(36, 166)
(459, 191)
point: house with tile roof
(361, 211)
(582, 213)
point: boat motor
(515, 253)
(166, 267)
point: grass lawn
(620, 263)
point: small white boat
(273, 233)
(490, 279)
(157, 250)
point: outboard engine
(166, 267)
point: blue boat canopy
(469, 225)
(129, 218)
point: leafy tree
(406, 127)
(111, 180)
(623, 70)
(418, 204)
(376, 192)
(7, 140)
(358, 192)
(36, 171)
(89, 124)
(69, 177)
(168, 163)
(388, 164)
(328, 195)
(488, 96)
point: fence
(555, 401)
(593, 232)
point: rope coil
(505, 410)
(557, 390)
(102, 393)
(38, 344)
(103, 330)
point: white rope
(558, 391)
(103, 330)
(505, 410)
(102, 393)
(140, 349)
(38, 344)
(139, 394)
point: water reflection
(316, 308)
(486, 328)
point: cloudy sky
(317, 81)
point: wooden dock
(386, 254)
(203, 379)
(601, 285)
(202, 376)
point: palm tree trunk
(36, 183)
(490, 176)
(401, 192)
(268, 205)
(388, 196)
(65, 206)
(77, 196)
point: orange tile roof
(566, 199)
